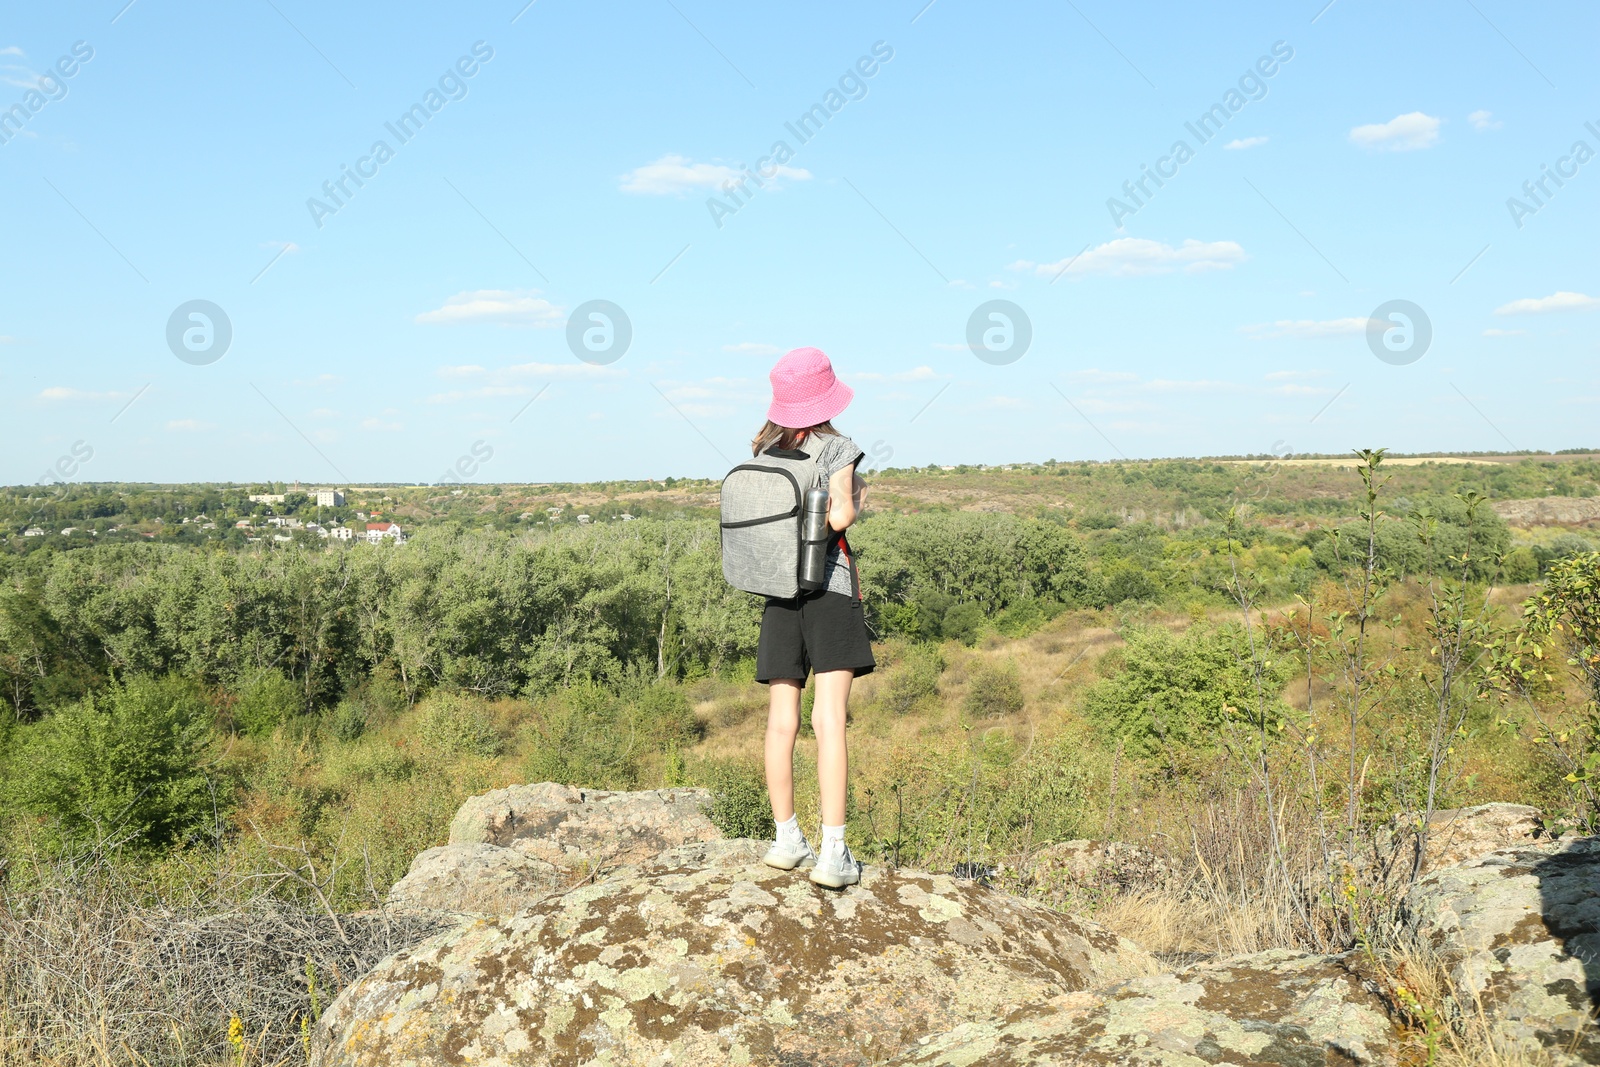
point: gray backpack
(761, 503)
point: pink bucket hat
(805, 391)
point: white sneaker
(836, 867)
(786, 855)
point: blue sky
(1367, 155)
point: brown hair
(772, 435)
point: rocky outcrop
(1279, 1007)
(621, 929)
(510, 847)
(1054, 872)
(1549, 510)
(571, 827)
(719, 959)
(476, 880)
(1456, 835)
(1519, 933)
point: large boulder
(475, 879)
(571, 827)
(1280, 1007)
(1456, 835)
(1066, 873)
(707, 956)
(1519, 933)
(510, 847)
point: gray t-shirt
(838, 452)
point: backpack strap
(850, 562)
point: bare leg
(833, 766)
(783, 723)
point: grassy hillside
(1249, 668)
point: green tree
(1178, 694)
(121, 765)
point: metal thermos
(814, 537)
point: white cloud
(1128, 256)
(918, 374)
(1304, 329)
(509, 307)
(323, 380)
(1289, 375)
(17, 74)
(1004, 285)
(674, 175)
(514, 380)
(1169, 385)
(1562, 301)
(1103, 376)
(1006, 402)
(379, 424)
(324, 413)
(946, 346)
(62, 392)
(752, 348)
(182, 425)
(1484, 120)
(5, 340)
(561, 371)
(287, 246)
(1245, 142)
(1400, 134)
(1497, 332)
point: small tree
(121, 765)
(1563, 619)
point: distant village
(270, 527)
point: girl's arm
(845, 490)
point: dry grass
(96, 970)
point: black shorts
(820, 631)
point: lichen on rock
(1519, 932)
(725, 963)
(1278, 1006)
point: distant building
(242, 524)
(339, 533)
(330, 498)
(266, 498)
(33, 531)
(69, 531)
(377, 531)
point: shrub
(994, 690)
(122, 764)
(1174, 693)
(265, 701)
(578, 737)
(740, 806)
(963, 623)
(451, 725)
(661, 716)
(912, 680)
(349, 721)
(1022, 618)
(1521, 565)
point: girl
(822, 631)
